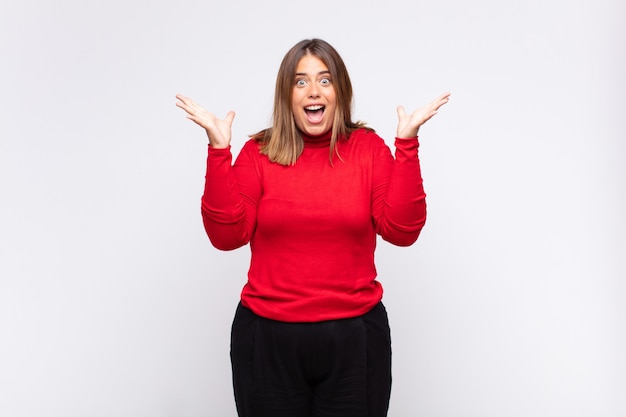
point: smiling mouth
(314, 114)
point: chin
(315, 131)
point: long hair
(282, 142)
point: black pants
(337, 368)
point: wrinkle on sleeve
(231, 196)
(398, 197)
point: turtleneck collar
(320, 141)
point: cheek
(332, 103)
(294, 104)
(332, 99)
(295, 101)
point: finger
(183, 99)
(443, 97)
(183, 106)
(192, 107)
(187, 108)
(440, 101)
(189, 104)
(184, 103)
(230, 117)
(435, 106)
(401, 112)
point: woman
(310, 335)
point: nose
(314, 91)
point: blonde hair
(282, 142)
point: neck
(317, 141)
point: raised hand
(218, 130)
(409, 124)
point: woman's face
(313, 100)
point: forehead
(310, 64)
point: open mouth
(314, 114)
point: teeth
(314, 108)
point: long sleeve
(398, 198)
(230, 198)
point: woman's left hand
(409, 124)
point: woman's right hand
(218, 130)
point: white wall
(112, 301)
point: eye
(300, 82)
(325, 81)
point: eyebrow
(305, 74)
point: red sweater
(312, 226)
